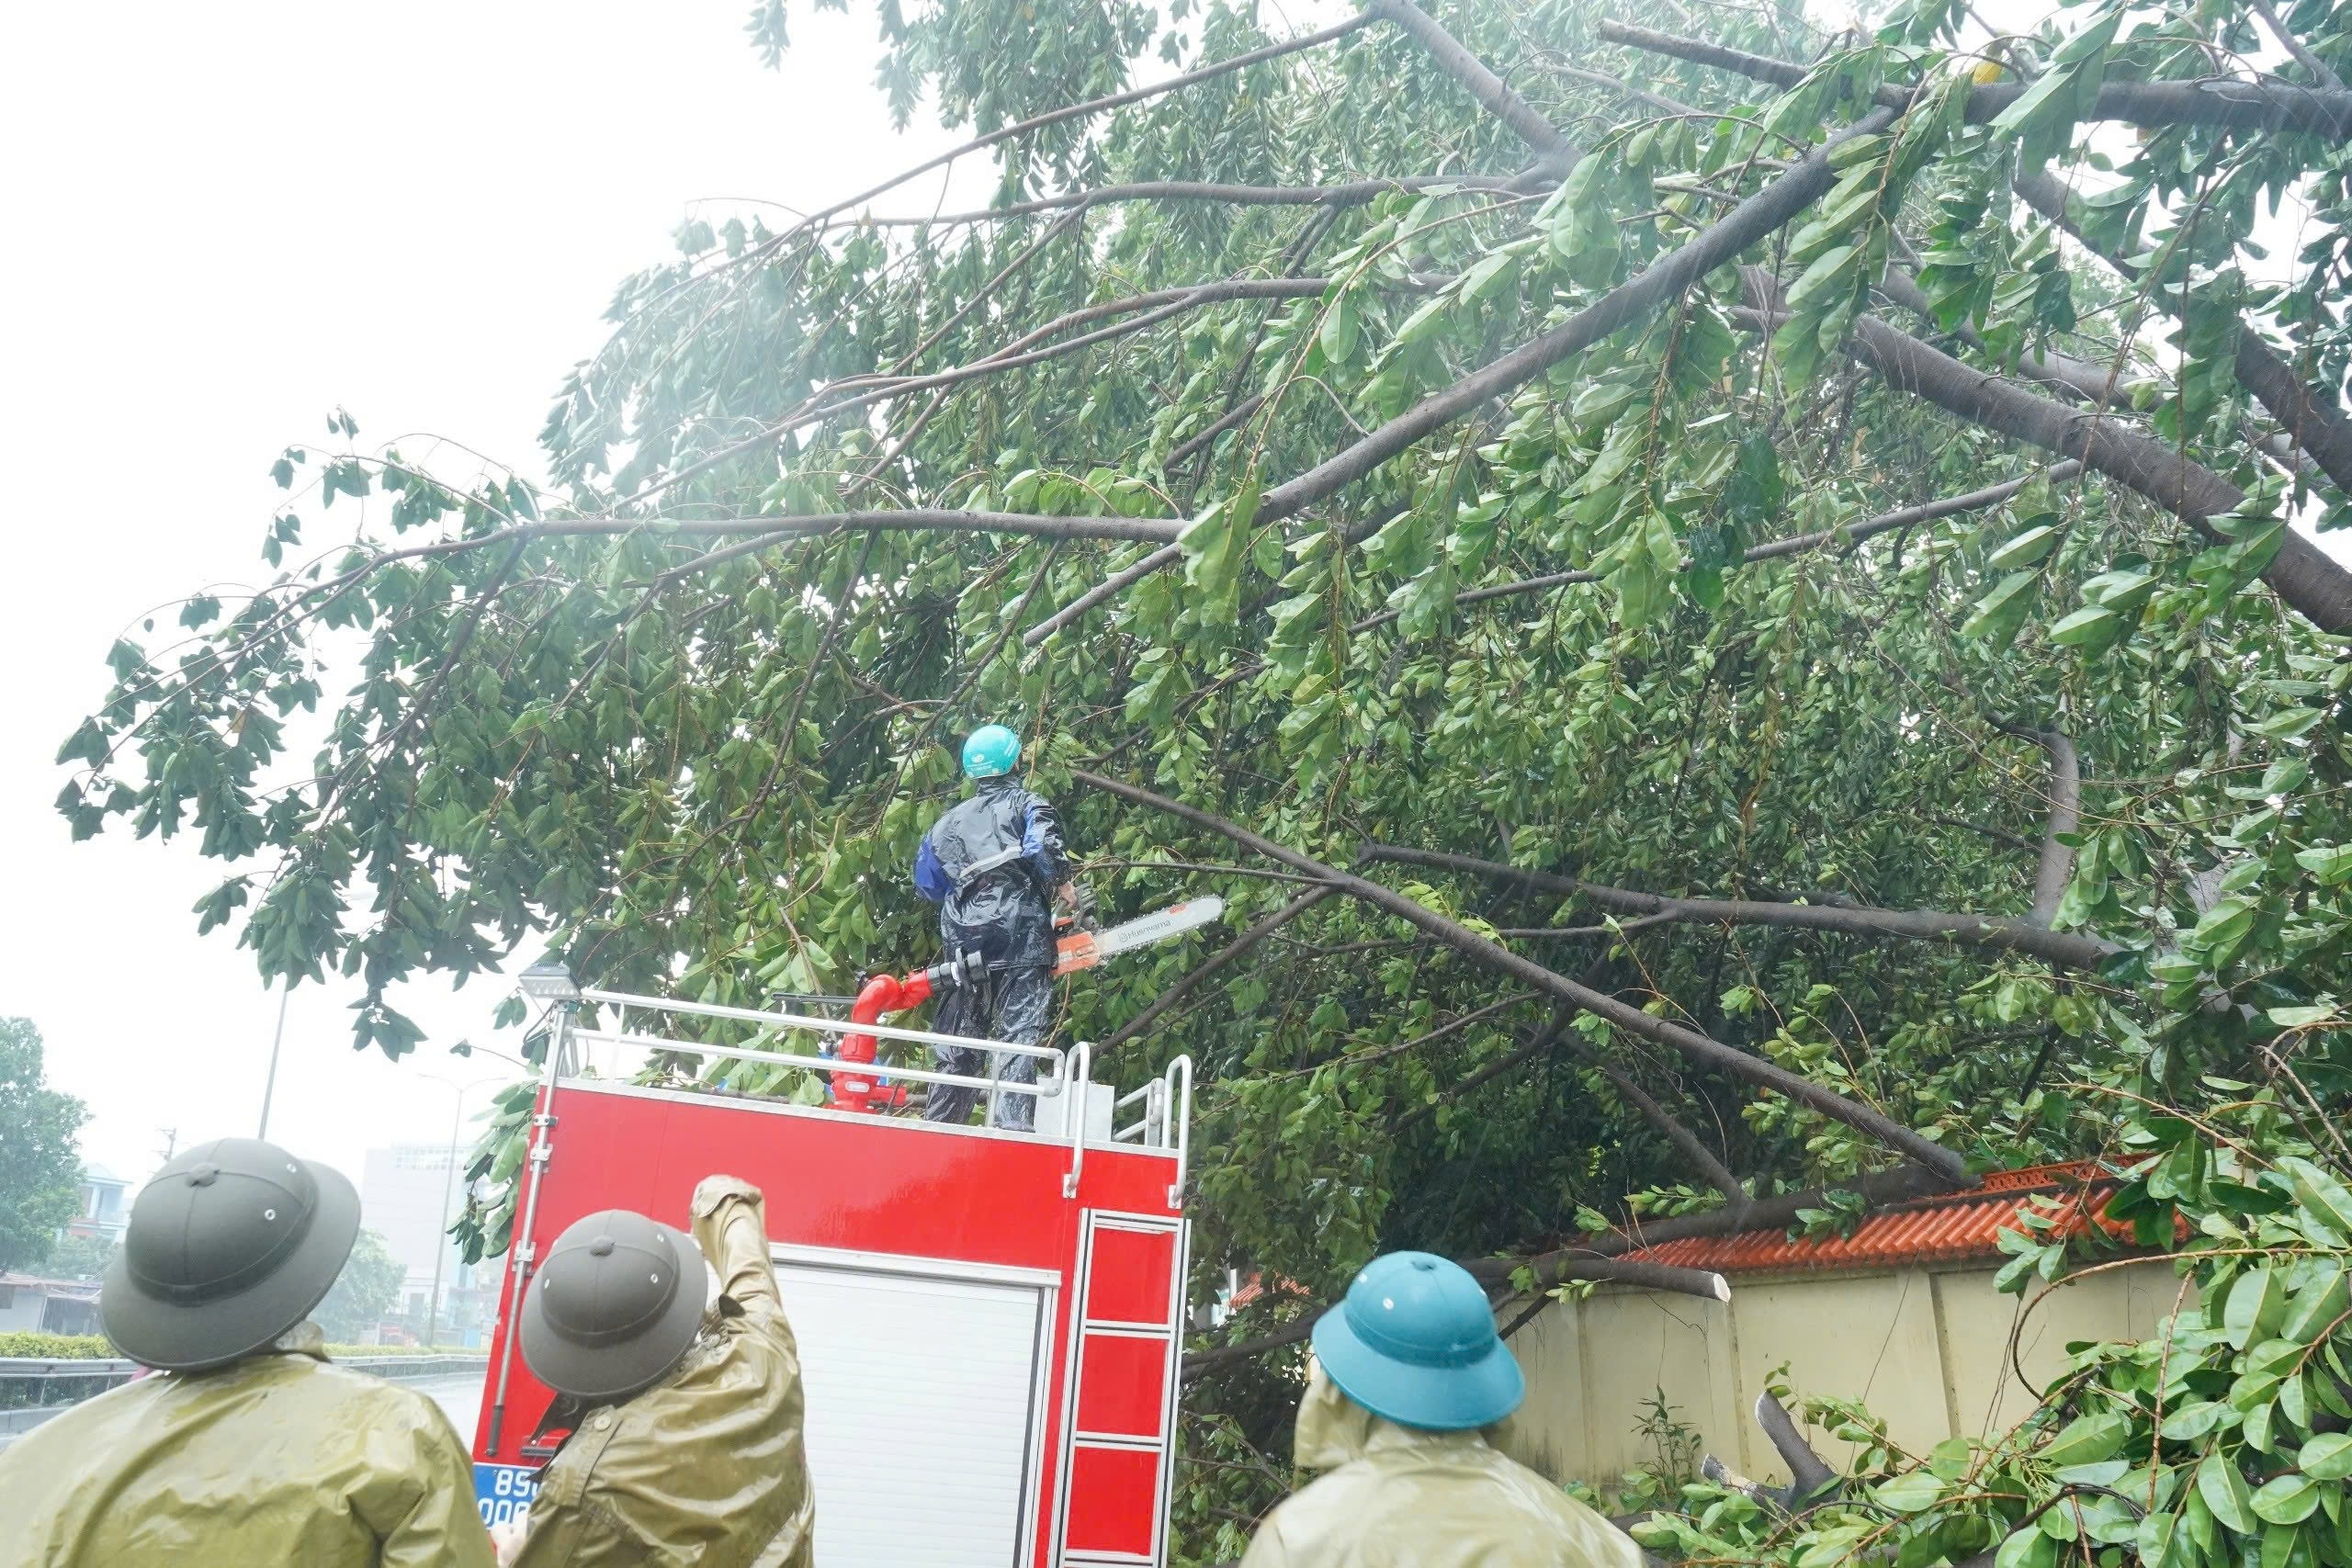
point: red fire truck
(989, 1321)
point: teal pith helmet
(990, 751)
(1415, 1342)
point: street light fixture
(548, 981)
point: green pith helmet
(229, 1247)
(616, 1303)
(990, 752)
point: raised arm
(730, 1226)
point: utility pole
(171, 1142)
(270, 1085)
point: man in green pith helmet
(248, 1447)
(995, 863)
(690, 1437)
(1408, 1370)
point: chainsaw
(1078, 949)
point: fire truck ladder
(1128, 1337)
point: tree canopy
(40, 1171)
(1722, 609)
(364, 1293)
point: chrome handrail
(1047, 1086)
(1081, 1064)
(1183, 1127)
(822, 1025)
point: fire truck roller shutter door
(922, 1455)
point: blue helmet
(990, 750)
(1415, 1342)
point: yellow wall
(1927, 1352)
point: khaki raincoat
(708, 1466)
(1397, 1497)
(278, 1461)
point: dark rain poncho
(1398, 1497)
(709, 1466)
(1007, 915)
(277, 1460)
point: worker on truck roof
(689, 1443)
(994, 863)
(1408, 1370)
(251, 1449)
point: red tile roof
(1952, 1228)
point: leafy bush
(57, 1346)
(2220, 1440)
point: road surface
(460, 1396)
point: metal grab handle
(1082, 1062)
(1183, 1111)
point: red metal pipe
(881, 994)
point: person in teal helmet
(1408, 1370)
(994, 863)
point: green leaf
(2089, 1438)
(2257, 1306)
(2320, 1192)
(2327, 1457)
(2191, 1422)
(2330, 864)
(2287, 1500)
(2225, 1492)
(2026, 549)
(1999, 614)
(1910, 1492)
(2027, 1548)
(1341, 332)
(2093, 625)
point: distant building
(29, 1303)
(106, 1205)
(402, 1193)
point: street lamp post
(269, 1084)
(448, 1179)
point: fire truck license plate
(503, 1492)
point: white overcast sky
(224, 221)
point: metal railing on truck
(1165, 1124)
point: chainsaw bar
(1084, 950)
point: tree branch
(1685, 1141)
(1223, 960)
(1843, 537)
(2318, 427)
(1493, 94)
(2057, 867)
(1077, 111)
(1633, 1020)
(2294, 46)
(1542, 1042)
(2302, 575)
(1778, 202)
(2230, 101)
(2062, 948)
